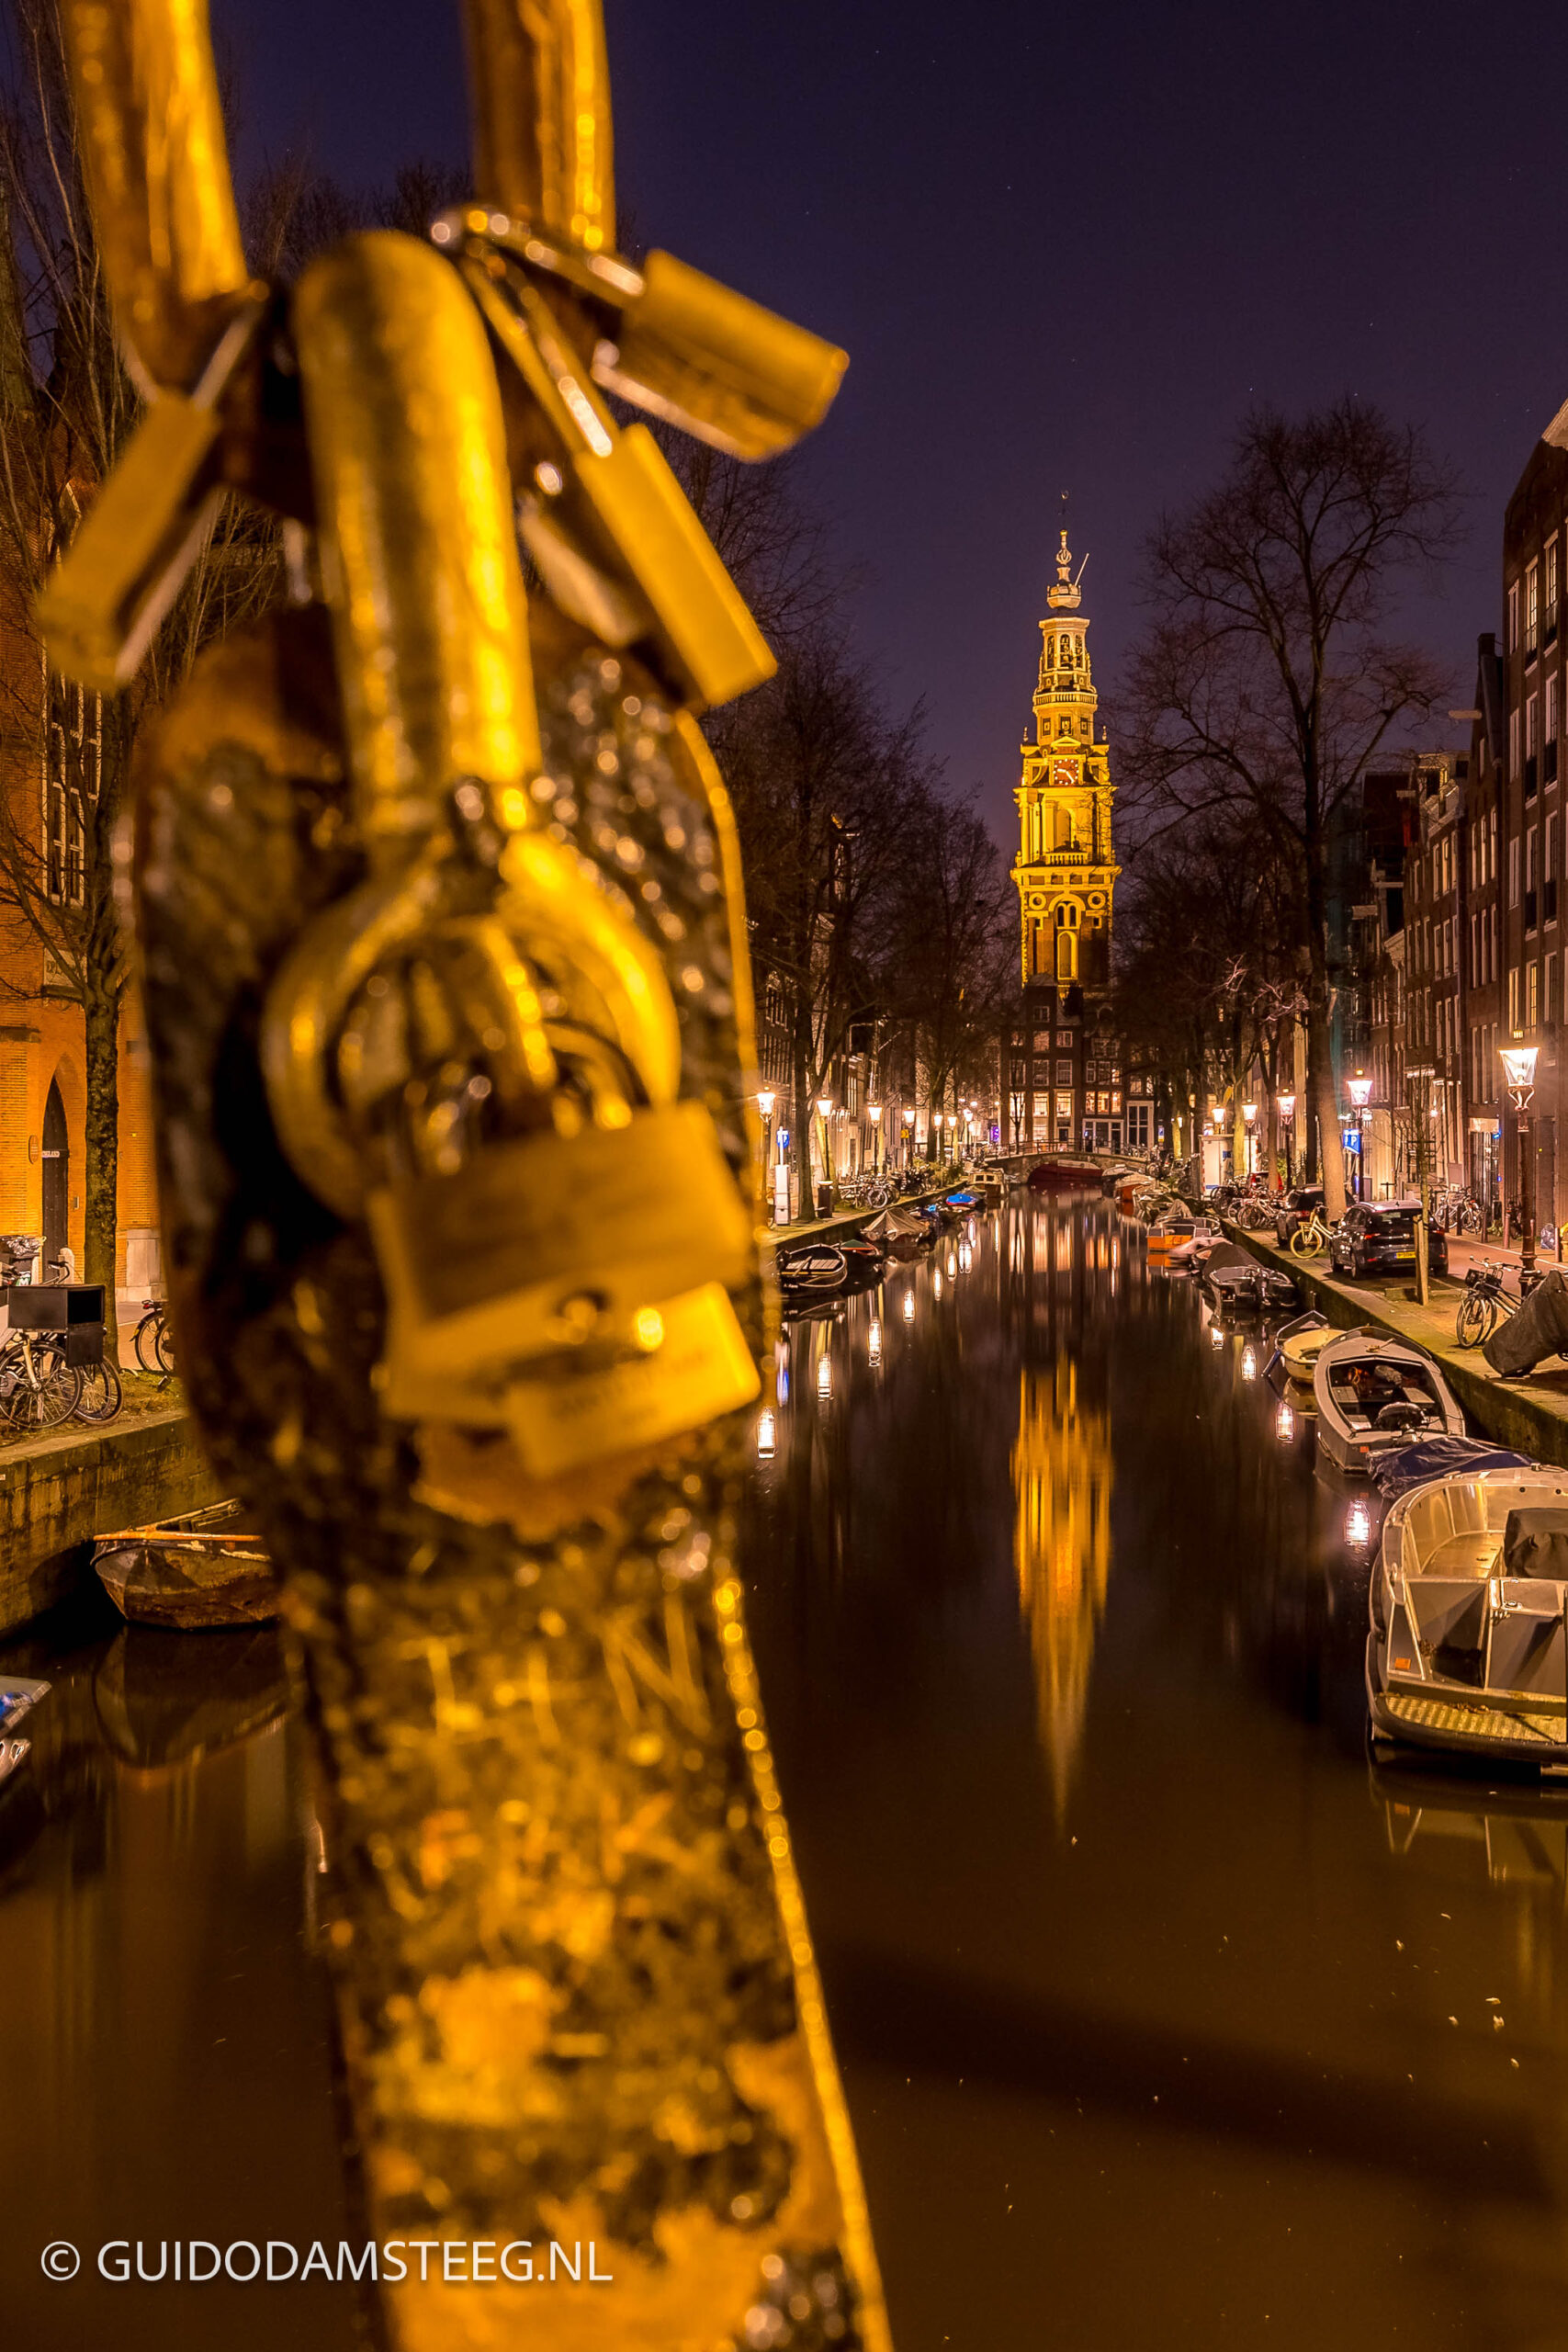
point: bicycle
(154, 1347)
(37, 1388)
(1484, 1305)
(102, 1393)
(1312, 1238)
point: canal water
(1167, 2017)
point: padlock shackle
(539, 90)
(420, 566)
(156, 161)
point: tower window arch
(1062, 827)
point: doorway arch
(56, 1177)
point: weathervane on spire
(1064, 594)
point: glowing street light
(1287, 1103)
(1519, 1068)
(874, 1113)
(1360, 1095)
(765, 1101)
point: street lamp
(1360, 1095)
(874, 1113)
(909, 1135)
(765, 1105)
(824, 1105)
(1519, 1068)
(1249, 1112)
(1287, 1103)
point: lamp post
(765, 1105)
(909, 1135)
(874, 1113)
(824, 1107)
(937, 1117)
(1249, 1112)
(1519, 1068)
(1360, 1095)
(1287, 1106)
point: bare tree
(67, 408)
(1266, 681)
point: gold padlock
(544, 1248)
(695, 1365)
(617, 502)
(149, 523)
(717, 364)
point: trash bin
(824, 1199)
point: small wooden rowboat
(207, 1567)
(1467, 1649)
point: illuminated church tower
(1064, 1072)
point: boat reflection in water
(163, 1999)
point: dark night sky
(1065, 248)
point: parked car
(1293, 1209)
(1379, 1238)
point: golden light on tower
(1065, 871)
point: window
(1493, 973)
(1513, 615)
(1513, 742)
(1512, 998)
(1551, 730)
(1492, 845)
(1064, 1073)
(1064, 1106)
(1549, 988)
(1549, 615)
(1064, 1037)
(1533, 1004)
(1532, 610)
(73, 753)
(1514, 871)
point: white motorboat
(1467, 1647)
(1373, 1395)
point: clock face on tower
(1063, 771)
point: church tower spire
(1066, 1083)
(1065, 871)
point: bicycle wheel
(147, 1338)
(1306, 1242)
(163, 1348)
(1473, 1322)
(102, 1394)
(46, 1397)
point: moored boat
(1374, 1396)
(1064, 1176)
(19, 1694)
(1239, 1283)
(1467, 1646)
(202, 1569)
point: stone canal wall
(1529, 1415)
(58, 1492)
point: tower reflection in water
(1057, 1267)
(1061, 1477)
